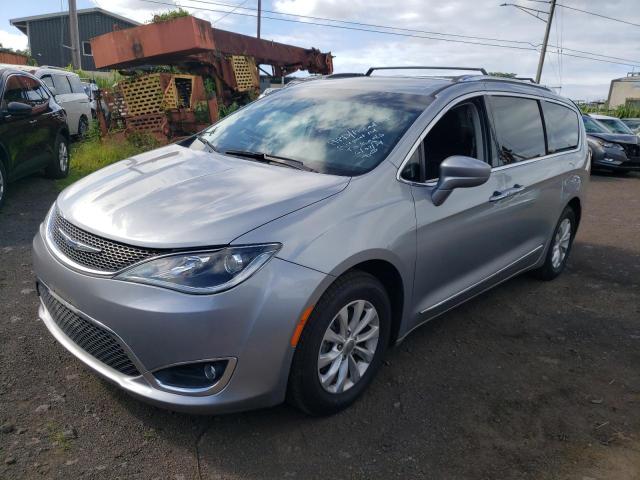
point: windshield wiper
(200, 137)
(266, 158)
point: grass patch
(94, 153)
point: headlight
(202, 272)
(610, 145)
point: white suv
(68, 92)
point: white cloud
(13, 40)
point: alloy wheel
(561, 243)
(348, 346)
(63, 157)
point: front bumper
(614, 160)
(251, 325)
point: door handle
(500, 195)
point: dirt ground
(529, 381)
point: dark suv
(33, 129)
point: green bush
(94, 153)
(170, 15)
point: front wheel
(560, 246)
(342, 345)
(83, 127)
(59, 165)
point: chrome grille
(113, 256)
(96, 341)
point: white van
(69, 93)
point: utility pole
(543, 52)
(74, 35)
(259, 16)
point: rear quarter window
(518, 128)
(563, 128)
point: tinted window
(412, 169)
(13, 92)
(76, 84)
(86, 49)
(518, 128)
(61, 84)
(33, 91)
(458, 132)
(332, 130)
(562, 125)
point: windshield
(336, 131)
(591, 126)
(615, 125)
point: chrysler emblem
(78, 245)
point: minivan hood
(176, 197)
(616, 137)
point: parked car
(633, 124)
(613, 124)
(68, 92)
(281, 251)
(611, 151)
(33, 130)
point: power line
(427, 32)
(598, 15)
(427, 37)
(349, 22)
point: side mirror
(18, 109)
(459, 172)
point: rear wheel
(342, 346)
(83, 127)
(3, 183)
(560, 246)
(59, 166)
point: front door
(478, 236)
(17, 128)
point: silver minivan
(280, 252)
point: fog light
(210, 371)
(192, 375)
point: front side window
(13, 92)
(48, 81)
(76, 84)
(32, 91)
(563, 130)
(458, 132)
(61, 84)
(518, 128)
(331, 130)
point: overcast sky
(356, 50)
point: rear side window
(563, 130)
(61, 84)
(518, 129)
(76, 84)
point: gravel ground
(529, 381)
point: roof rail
(526, 79)
(472, 69)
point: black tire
(83, 127)
(3, 183)
(548, 271)
(55, 169)
(305, 390)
